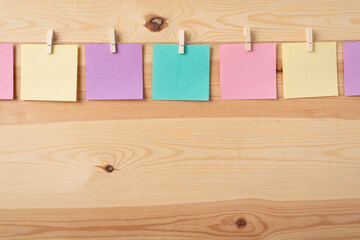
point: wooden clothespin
(50, 41)
(309, 39)
(181, 41)
(112, 41)
(247, 39)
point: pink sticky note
(6, 71)
(248, 75)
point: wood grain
(252, 169)
(203, 20)
(241, 219)
(172, 161)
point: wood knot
(109, 168)
(156, 23)
(241, 223)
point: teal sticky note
(181, 76)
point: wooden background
(251, 169)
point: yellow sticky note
(49, 77)
(309, 74)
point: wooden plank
(25, 112)
(203, 20)
(256, 169)
(172, 161)
(240, 219)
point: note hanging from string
(6, 71)
(352, 68)
(248, 74)
(309, 74)
(181, 76)
(111, 76)
(49, 77)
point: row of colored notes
(243, 74)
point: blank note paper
(248, 74)
(352, 68)
(309, 74)
(114, 75)
(6, 71)
(49, 77)
(181, 76)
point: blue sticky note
(181, 76)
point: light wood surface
(240, 219)
(256, 169)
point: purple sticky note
(352, 68)
(111, 76)
(6, 71)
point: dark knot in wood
(156, 23)
(241, 223)
(109, 168)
